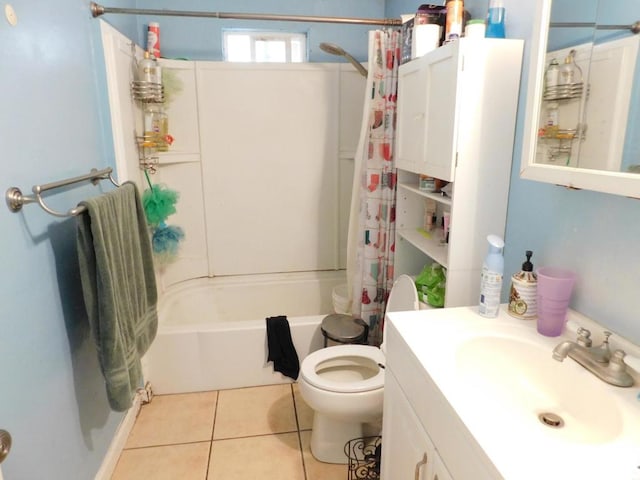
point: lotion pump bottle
(524, 288)
(491, 278)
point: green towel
(119, 287)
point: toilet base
(329, 436)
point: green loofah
(159, 202)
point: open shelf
(413, 187)
(430, 245)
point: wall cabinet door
(427, 113)
(407, 451)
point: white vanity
(471, 398)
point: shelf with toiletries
(420, 219)
(452, 130)
(413, 186)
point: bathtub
(212, 332)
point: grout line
(213, 426)
(295, 413)
(159, 445)
(253, 436)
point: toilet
(344, 385)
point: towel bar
(15, 198)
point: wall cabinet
(456, 121)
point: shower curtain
(371, 237)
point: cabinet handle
(420, 464)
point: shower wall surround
(262, 158)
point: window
(248, 46)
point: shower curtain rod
(634, 27)
(97, 10)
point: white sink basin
(512, 377)
(499, 379)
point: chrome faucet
(608, 367)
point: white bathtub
(212, 332)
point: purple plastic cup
(555, 286)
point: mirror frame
(618, 183)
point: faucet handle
(617, 361)
(584, 337)
(617, 370)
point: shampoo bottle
(524, 287)
(495, 19)
(491, 278)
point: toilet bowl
(344, 385)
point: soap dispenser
(522, 295)
(491, 278)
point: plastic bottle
(552, 74)
(495, 19)
(455, 19)
(153, 39)
(491, 278)
(523, 291)
(570, 73)
(552, 124)
(149, 70)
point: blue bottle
(491, 278)
(495, 19)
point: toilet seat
(368, 354)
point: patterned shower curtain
(375, 238)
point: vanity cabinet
(456, 121)
(422, 435)
(408, 451)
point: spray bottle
(491, 278)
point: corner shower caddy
(149, 94)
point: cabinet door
(440, 472)
(412, 115)
(407, 451)
(427, 113)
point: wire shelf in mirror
(564, 92)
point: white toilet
(344, 385)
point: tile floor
(243, 434)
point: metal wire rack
(364, 458)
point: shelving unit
(456, 122)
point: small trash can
(341, 329)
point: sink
(512, 377)
(495, 383)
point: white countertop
(601, 436)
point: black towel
(281, 350)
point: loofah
(159, 202)
(165, 242)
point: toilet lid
(369, 356)
(403, 296)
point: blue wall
(593, 233)
(54, 124)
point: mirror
(582, 127)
